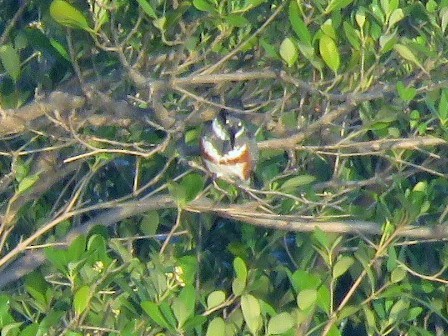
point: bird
(227, 149)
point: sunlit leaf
(251, 312)
(360, 17)
(30, 330)
(407, 54)
(396, 16)
(398, 310)
(342, 265)
(352, 35)
(443, 18)
(203, 5)
(216, 327)
(442, 110)
(297, 181)
(179, 309)
(237, 20)
(153, 311)
(329, 52)
(406, 93)
(306, 298)
(60, 49)
(288, 51)
(280, 324)
(147, 8)
(397, 275)
(336, 5)
(27, 182)
(67, 15)
(81, 299)
(10, 60)
(348, 311)
(240, 268)
(238, 286)
(295, 18)
(215, 299)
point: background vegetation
(110, 225)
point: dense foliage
(111, 226)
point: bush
(111, 225)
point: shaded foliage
(110, 224)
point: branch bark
(247, 213)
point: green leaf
(150, 223)
(36, 286)
(306, 298)
(188, 297)
(238, 286)
(193, 184)
(81, 299)
(328, 29)
(147, 8)
(397, 275)
(406, 93)
(153, 311)
(407, 54)
(76, 248)
(443, 18)
(342, 265)
(299, 27)
(289, 52)
(251, 312)
(189, 266)
(216, 327)
(237, 20)
(31, 330)
(352, 35)
(204, 5)
(322, 238)
(387, 42)
(167, 312)
(27, 182)
(270, 50)
(295, 182)
(324, 298)
(348, 311)
(414, 313)
(67, 15)
(396, 16)
(215, 298)
(329, 52)
(60, 49)
(180, 311)
(398, 310)
(178, 192)
(360, 17)
(10, 60)
(240, 268)
(22, 170)
(72, 333)
(280, 324)
(194, 322)
(336, 5)
(443, 106)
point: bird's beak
(232, 132)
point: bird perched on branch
(228, 151)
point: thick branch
(247, 213)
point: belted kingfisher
(227, 149)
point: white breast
(229, 171)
